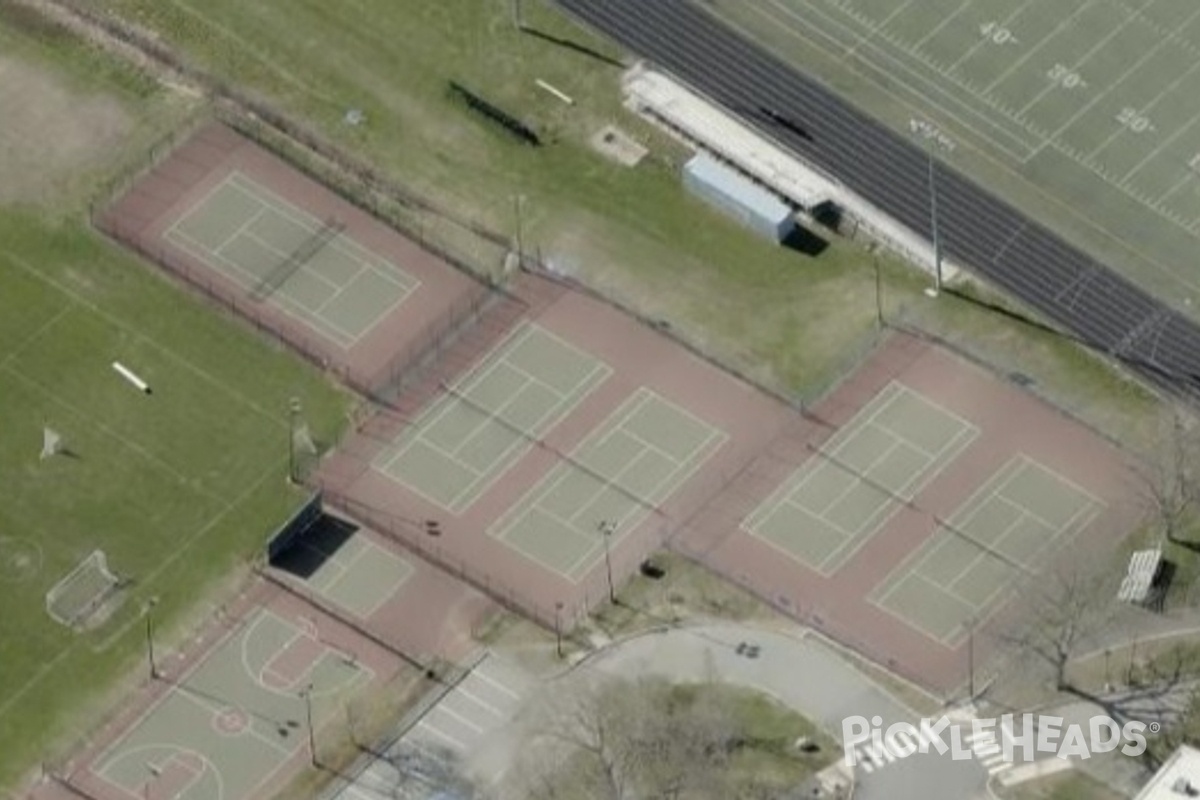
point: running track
(1082, 296)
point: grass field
(177, 488)
(1081, 112)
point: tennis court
(226, 727)
(608, 485)
(359, 575)
(487, 419)
(1002, 534)
(281, 255)
(841, 497)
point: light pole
(306, 693)
(933, 223)
(607, 528)
(293, 415)
(878, 293)
(971, 661)
(518, 208)
(150, 604)
(558, 628)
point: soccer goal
(85, 589)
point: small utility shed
(733, 193)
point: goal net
(82, 592)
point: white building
(1178, 778)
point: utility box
(731, 192)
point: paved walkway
(808, 675)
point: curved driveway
(807, 675)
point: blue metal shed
(733, 193)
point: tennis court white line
(282, 301)
(312, 223)
(283, 257)
(460, 394)
(639, 505)
(406, 571)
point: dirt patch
(50, 134)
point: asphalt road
(1081, 296)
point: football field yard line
(1124, 76)
(878, 26)
(1179, 184)
(1082, 60)
(920, 87)
(1179, 131)
(1029, 53)
(1004, 23)
(936, 29)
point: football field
(1084, 113)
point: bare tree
(617, 740)
(1064, 610)
(1168, 476)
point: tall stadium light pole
(933, 223)
(306, 693)
(518, 22)
(293, 416)
(150, 604)
(878, 293)
(607, 527)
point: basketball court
(840, 498)
(490, 417)
(609, 484)
(997, 540)
(280, 254)
(225, 727)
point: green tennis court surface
(1094, 103)
(226, 727)
(1002, 534)
(360, 576)
(618, 475)
(462, 443)
(841, 497)
(282, 255)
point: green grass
(1069, 785)
(788, 320)
(177, 488)
(180, 488)
(1057, 161)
